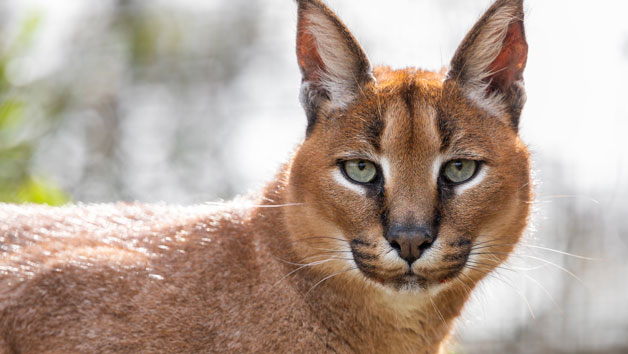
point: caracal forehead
(410, 139)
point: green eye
(459, 171)
(360, 171)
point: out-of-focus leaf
(17, 185)
(11, 113)
(25, 37)
(29, 28)
(14, 163)
(41, 191)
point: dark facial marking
(361, 255)
(456, 257)
(373, 132)
(367, 269)
(445, 191)
(460, 243)
(455, 270)
(446, 130)
(384, 218)
(409, 99)
(357, 242)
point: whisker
(257, 205)
(543, 288)
(487, 241)
(277, 205)
(325, 253)
(442, 318)
(493, 245)
(484, 244)
(546, 293)
(319, 237)
(521, 295)
(567, 196)
(465, 286)
(285, 261)
(555, 265)
(488, 265)
(306, 258)
(302, 267)
(564, 253)
(328, 277)
(510, 268)
(525, 299)
(541, 260)
(330, 250)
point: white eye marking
(436, 166)
(342, 180)
(473, 182)
(383, 162)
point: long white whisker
(440, 315)
(257, 205)
(521, 295)
(563, 253)
(566, 196)
(305, 266)
(555, 265)
(328, 277)
(546, 293)
(319, 237)
(330, 250)
(540, 260)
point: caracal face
(408, 178)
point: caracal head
(410, 178)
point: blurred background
(190, 101)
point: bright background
(196, 100)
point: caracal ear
(333, 65)
(490, 61)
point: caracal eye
(360, 171)
(459, 171)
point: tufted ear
(333, 65)
(489, 63)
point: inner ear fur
(333, 65)
(490, 61)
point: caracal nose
(410, 240)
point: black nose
(410, 240)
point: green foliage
(17, 144)
(11, 114)
(41, 191)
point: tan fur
(304, 266)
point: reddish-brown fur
(305, 266)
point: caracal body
(409, 187)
